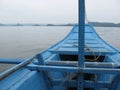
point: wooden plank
(16, 67)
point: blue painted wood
(16, 67)
(28, 81)
(13, 78)
(115, 85)
(40, 59)
(75, 69)
(97, 45)
(87, 84)
(10, 61)
(87, 64)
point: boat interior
(95, 49)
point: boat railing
(20, 64)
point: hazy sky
(57, 11)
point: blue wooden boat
(81, 61)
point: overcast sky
(57, 11)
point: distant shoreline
(95, 24)
(104, 24)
